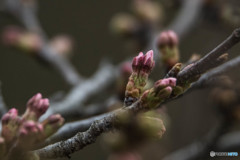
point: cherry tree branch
(82, 139)
(209, 60)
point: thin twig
(105, 75)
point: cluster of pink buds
(168, 47)
(26, 131)
(161, 91)
(17, 37)
(142, 66)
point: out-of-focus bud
(115, 141)
(168, 47)
(137, 62)
(123, 24)
(125, 156)
(11, 35)
(62, 44)
(10, 125)
(148, 11)
(29, 134)
(152, 127)
(36, 107)
(194, 58)
(148, 63)
(230, 14)
(142, 66)
(30, 42)
(224, 97)
(167, 38)
(161, 91)
(174, 71)
(2, 147)
(52, 124)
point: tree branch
(74, 101)
(209, 60)
(83, 139)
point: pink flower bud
(126, 69)
(30, 128)
(143, 63)
(11, 34)
(148, 62)
(137, 62)
(52, 124)
(10, 124)
(55, 119)
(30, 134)
(11, 115)
(62, 44)
(37, 105)
(165, 82)
(167, 38)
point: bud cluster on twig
(22, 133)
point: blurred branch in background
(25, 12)
(74, 101)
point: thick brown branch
(82, 139)
(209, 60)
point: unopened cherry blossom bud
(161, 91)
(30, 42)
(168, 47)
(36, 107)
(11, 35)
(148, 11)
(160, 84)
(137, 62)
(167, 38)
(148, 63)
(142, 66)
(62, 44)
(152, 127)
(173, 72)
(30, 133)
(124, 25)
(52, 124)
(10, 124)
